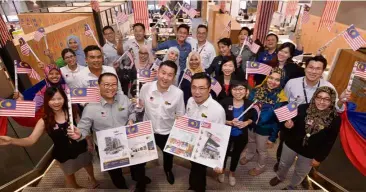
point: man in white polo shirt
(202, 46)
(201, 106)
(88, 76)
(163, 102)
(112, 48)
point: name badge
(103, 114)
(230, 107)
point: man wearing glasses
(112, 49)
(201, 106)
(302, 89)
(88, 76)
(114, 110)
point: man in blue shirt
(183, 46)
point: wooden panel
(313, 40)
(32, 21)
(204, 10)
(341, 72)
(213, 10)
(56, 38)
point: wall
(30, 22)
(313, 40)
(56, 38)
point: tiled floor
(54, 181)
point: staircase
(53, 181)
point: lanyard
(303, 88)
(201, 48)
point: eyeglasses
(315, 69)
(199, 89)
(108, 86)
(323, 100)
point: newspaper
(199, 141)
(127, 145)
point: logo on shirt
(203, 115)
(230, 107)
(104, 114)
(56, 127)
(167, 103)
(151, 98)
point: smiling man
(163, 102)
(89, 75)
(183, 46)
(112, 49)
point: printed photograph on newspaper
(199, 141)
(126, 146)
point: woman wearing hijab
(73, 42)
(271, 96)
(173, 55)
(194, 65)
(311, 136)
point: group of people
(309, 136)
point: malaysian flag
(192, 13)
(93, 83)
(291, 8)
(177, 7)
(187, 75)
(84, 95)
(306, 15)
(186, 7)
(130, 56)
(187, 124)
(25, 68)
(215, 86)
(39, 34)
(88, 30)
(146, 75)
(168, 16)
(257, 107)
(329, 14)
(265, 10)
(139, 129)
(141, 13)
(252, 46)
(353, 38)
(361, 70)
(4, 33)
(258, 68)
(156, 64)
(121, 17)
(14, 108)
(286, 112)
(24, 47)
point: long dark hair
(291, 47)
(228, 59)
(49, 114)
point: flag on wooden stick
(25, 68)
(121, 17)
(353, 38)
(24, 47)
(39, 34)
(306, 15)
(329, 14)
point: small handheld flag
(215, 86)
(146, 75)
(286, 112)
(25, 68)
(258, 68)
(121, 17)
(85, 95)
(14, 108)
(24, 48)
(353, 38)
(39, 34)
(252, 46)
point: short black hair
(185, 26)
(235, 83)
(138, 25)
(318, 58)
(107, 27)
(169, 64)
(202, 75)
(91, 48)
(228, 59)
(246, 29)
(272, 34)
(202, 26)
(106, 75)
(67, 50)
(225, 41)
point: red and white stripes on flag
(291, 8)
(39, 34)
(121, 17)
(361, 69)
(24, 48)
(286, 112)
(141, 13)
(306, 15)
(13, 108)
(252, 46)
(4, 33)
(265, 10)
(215, 86)
(85, 95)
(258, 68)
(329, 14)
(353, 38)
(257, 107)
(184, 123)
(139, 129)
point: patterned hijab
(266, 95)
(316, 120)
(47, 71)
(200, 68)
(80, 56)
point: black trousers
(238, 144)
(137, 174)
(197, 177)
(167, 157)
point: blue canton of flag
(85, 95)
(361, 70)
(132, 129)
(13, 108)
(93, 83)
(286, 112)
(193, 123)
(353, 38)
